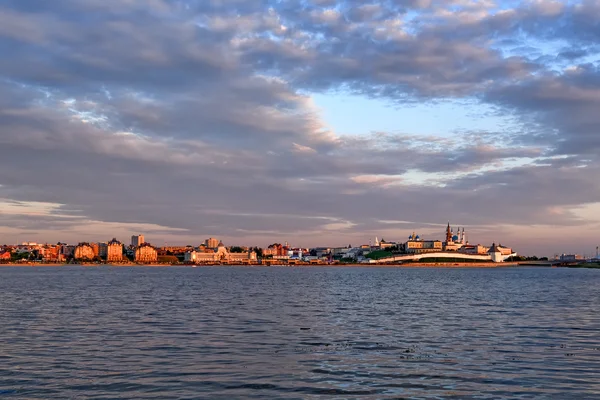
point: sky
(317, 122)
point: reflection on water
(228, 332)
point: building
(570, 257)
(50, 253)
(5, 256)
(146, 253)
(505, 251)
(297, 253)
(416, 245)
(84, 251)
(138, 240)
(277, 250)
(249, 256)
(114, 251)
(103, 250)
(386, 245)
(212, 243)
(96, 248)
(67, 250)
(220, 254)
(474, 249)
(324, 251)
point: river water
(297, 333)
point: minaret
(463, 239)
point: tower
(137, 240)
(448, 233)
(495, 254)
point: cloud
(146, 115)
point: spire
(448, 233)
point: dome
(455, 238)
(418, 237)
(410, 237)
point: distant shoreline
(408, 265)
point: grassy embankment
(379, 254)
(586, 265)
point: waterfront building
(102, 250)
(212, 243)
(114, 251)
(324, 251)
(5, 256)
(495, 253)
(416, 245)
(84, 251)
(50, 253)
(570, 257)
(220, 254)
(146, 253)
(297, 253)
(270, 251)
(67, 250)
(137, 240)
(276, 250)
(505, 251)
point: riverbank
(408, 265)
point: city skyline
(451, 240)
(307, 121)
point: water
(229, 332)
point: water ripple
(296, 333)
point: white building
(220, 254)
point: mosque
(455, 241)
